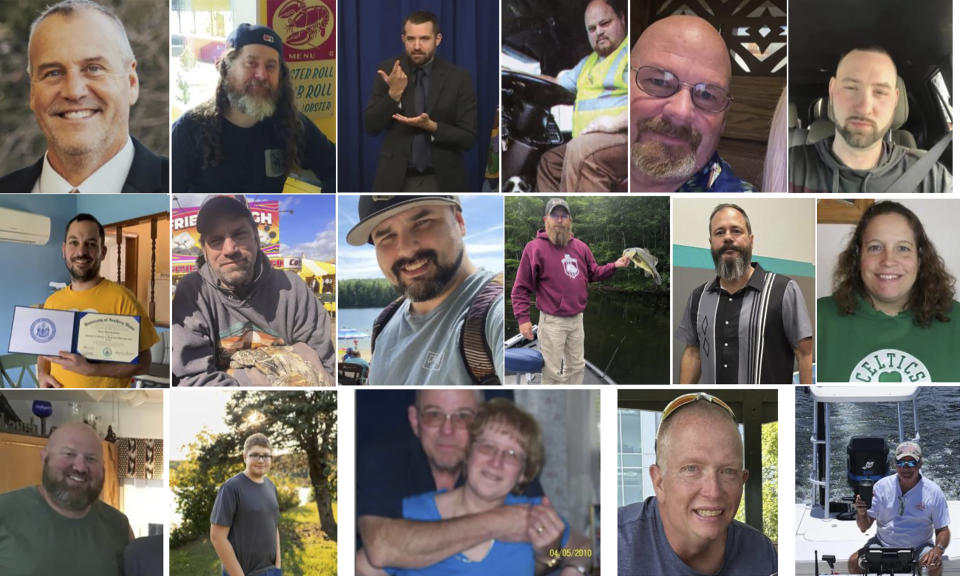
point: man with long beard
(747, 325)
(250, 136)
(682, 74)
(864, 98)
(60, 526)
(557, 268)
(445, 299)
(83, 250)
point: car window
(939, 87)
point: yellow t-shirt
(106, 298)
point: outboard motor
(866, 464)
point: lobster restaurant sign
(307, 28)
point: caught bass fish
(645, 261)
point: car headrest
(792, 115)
(900, 113)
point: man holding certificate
(108, 335)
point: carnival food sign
(185, 240)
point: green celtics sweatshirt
(869, 346)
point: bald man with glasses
(678, 106)
(429, 460)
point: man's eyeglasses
(907, 463)
(259, 457)
(437, 418)
(662, 83)
(510, 456)
(681, 401)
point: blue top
(503, 558)
(715, 176)
(645, 551)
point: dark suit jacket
(148, 173)
(451, 103)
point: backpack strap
(474, 349)
(385, 315)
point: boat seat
(522, 360)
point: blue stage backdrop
(369, 32)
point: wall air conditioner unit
(24, 227)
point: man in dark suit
(83, 81)
(428, 109)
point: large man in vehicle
(688, 527)
(61, 526)
(682, 72)
(237, 321)
(445, 298)
(863, 99)
(427, 107)
(83, 81)
(908, 509)
(747, 325)
(558, 268)
(400, 467)
(250, 136)
(595, 160)
(83, 251)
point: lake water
(938, 409)
(627, 335)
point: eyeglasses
(662, 83)
(437, 418)
(907, 463)
(259, 457)
(510, 457)
(681, 401)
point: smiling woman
(889, 317)
(505, 454)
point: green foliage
(288, 496)
(303, 549)
(195, 482)
(366, 293)
(607, 224)
(768, 438)
(184, 88)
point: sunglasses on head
(685, 399)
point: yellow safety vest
(600, 85)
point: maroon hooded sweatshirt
(558, 276)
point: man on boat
(557, 268)
(445, 298)
(688, 528)
(432, 459)
(747, 325)
(908, 509)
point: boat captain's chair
(867, 462)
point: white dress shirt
(108, 179)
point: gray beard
(76, 499)
(258, 108)
(732, 269)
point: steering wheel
(535, 89)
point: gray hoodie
(814, 168)
(210, 322)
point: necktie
(421, 147)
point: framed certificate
(98, 337)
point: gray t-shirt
(252, 513)
(415, 349)
(645, 551)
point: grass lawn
(305, 550)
